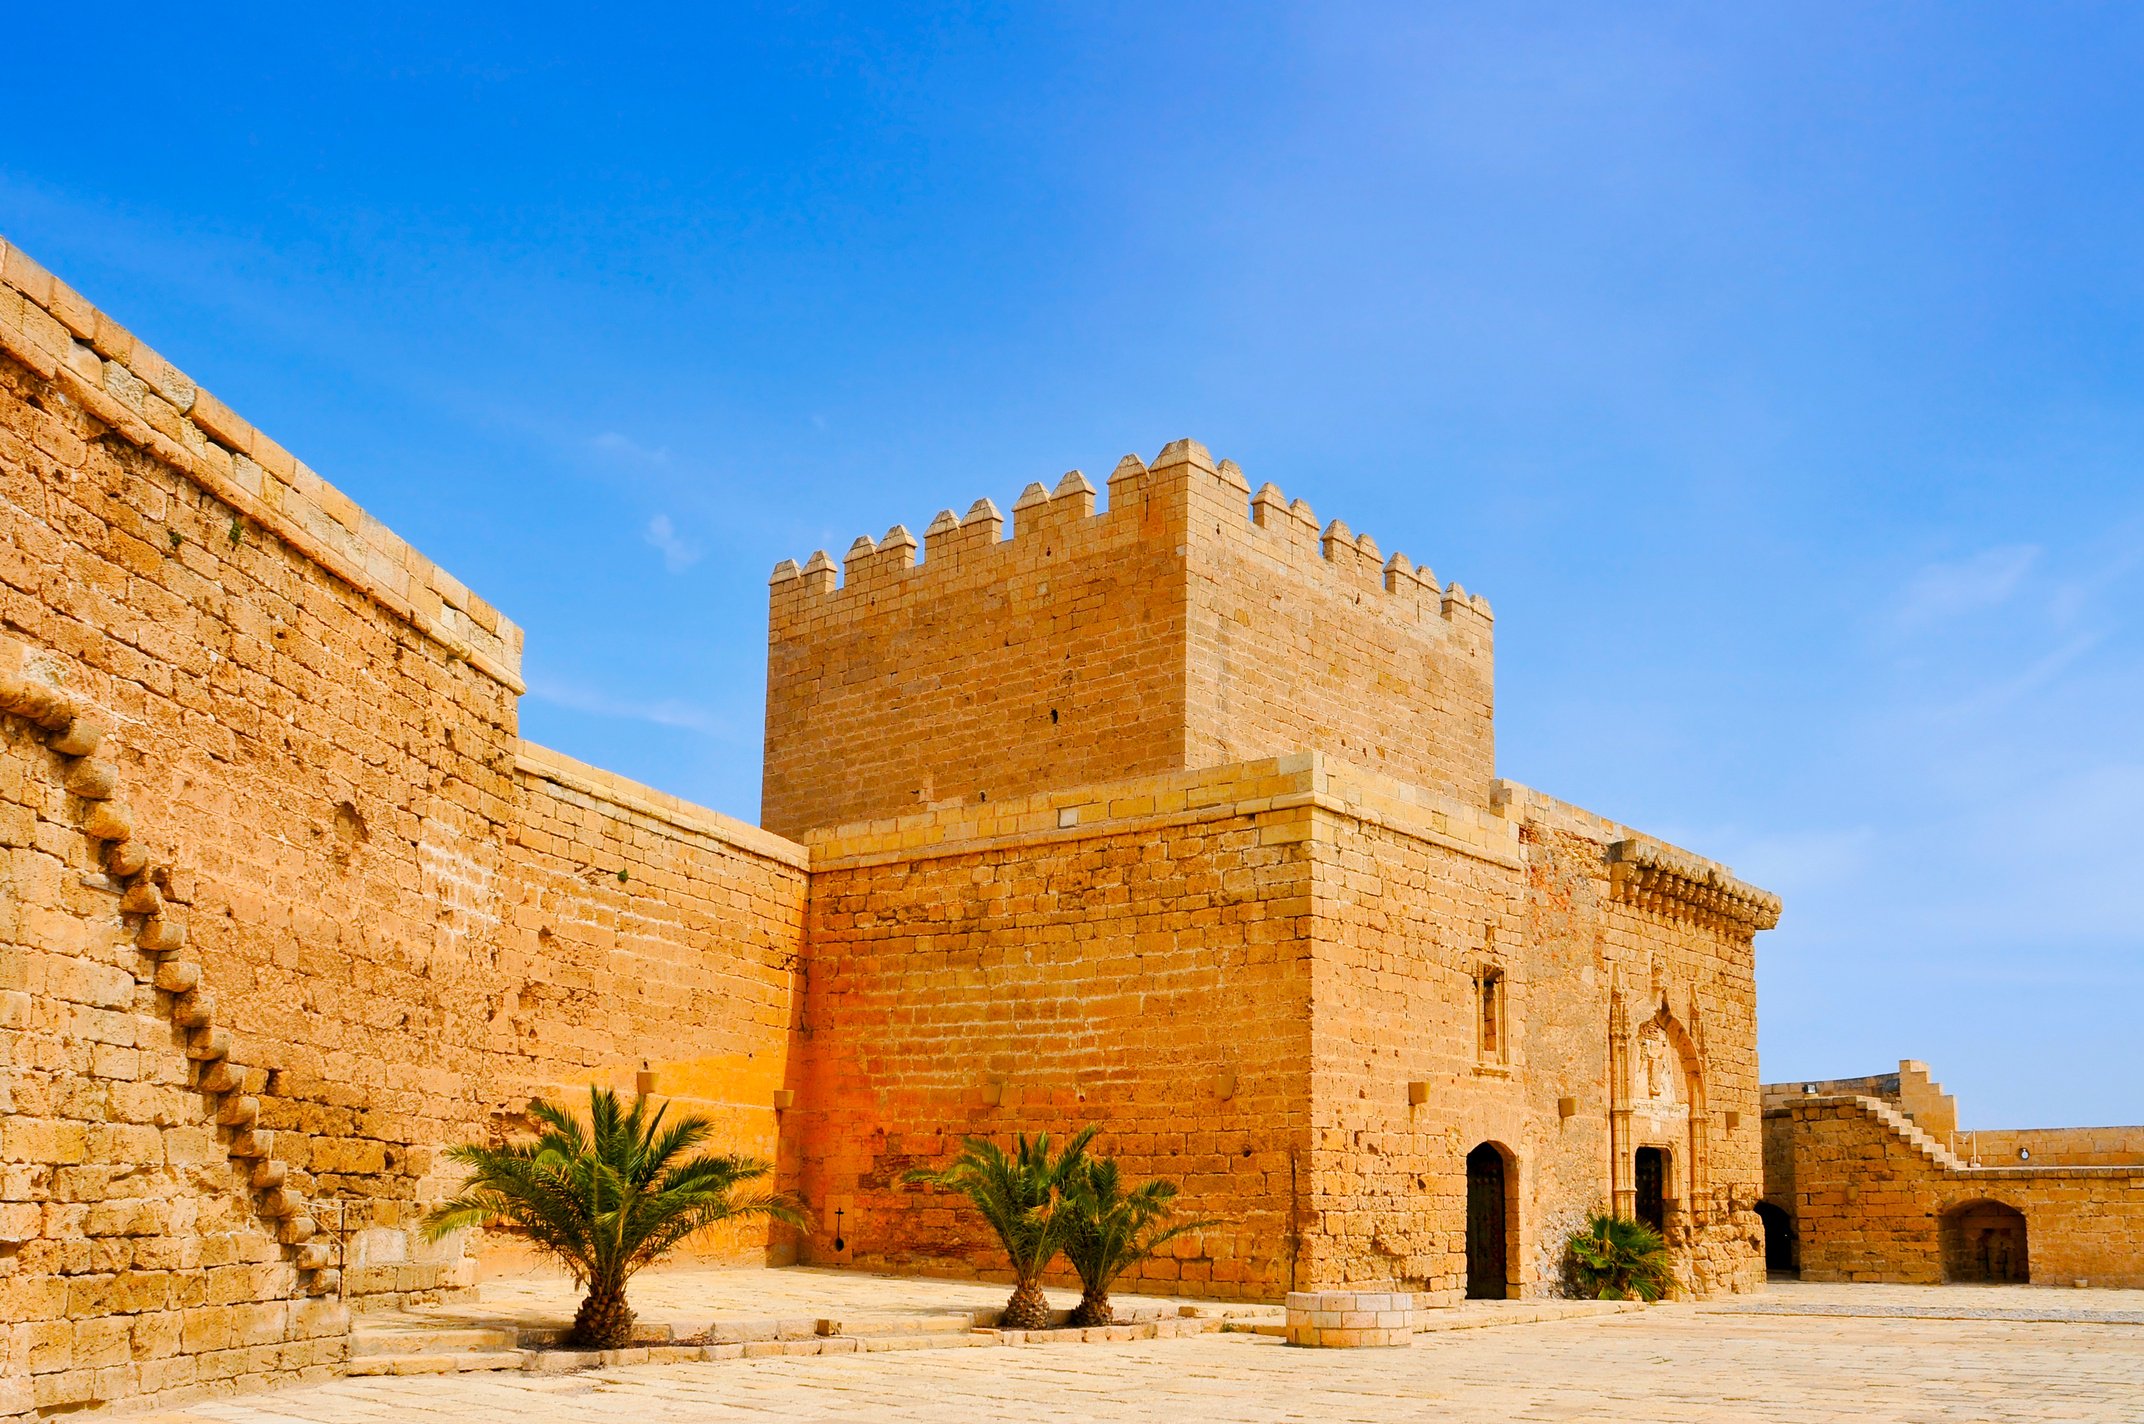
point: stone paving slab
(1959, 1302)
(1676, 1364)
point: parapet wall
(1186, 625)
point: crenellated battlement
(955, 548)
(1184, 623)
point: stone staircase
(1904, 1128)
(149, 900)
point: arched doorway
(1778, 1238)
(1985, 1241)
(1488, 1224)
(1652, 1184)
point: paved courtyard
(1869, 1354)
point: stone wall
(1186, 626)
(996, 668)
(2054, 1146)
(1133, 955)
(1252, 976)
(1870, 1203)
(401, 920)
(1868, 1171)
(1308, 638)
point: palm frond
(608, 1195)
(1615, 1258)
(1114, 1228)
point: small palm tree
(1616, 1258)
(1023, 1197)
(606, 1198)
(1114, 1229)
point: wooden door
(1652, 1187)
(1488, 1276)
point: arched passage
(1984, 1241)
(1778, 1238)
(1491, 1185)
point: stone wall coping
(150, 403)
(1299, 781)
(562, 770)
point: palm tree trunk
(1029, 1308)
(604, 1321)
(1094, 1309)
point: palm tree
(1114, 1229)
(1022, 1196)
(606, 1199)
(1619, 1259)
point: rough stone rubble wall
(407, 923)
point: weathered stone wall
(402, 922)
(1241, 973)
(1414, 894)
(1134, 955)
(646, 933)
(132, 1256)
(1186, 626)
(1302, 639)
(1869, 1203)
(2054, 1146)
(1419, 901)
(996, 668)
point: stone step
(940, 1323)
(475, 1339)
(434, 1363)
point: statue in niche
(1656, 1066)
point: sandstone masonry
(1179, 815)
(1870, 1179)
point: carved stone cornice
(1682, 886)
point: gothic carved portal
(1658, 1116)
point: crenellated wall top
(1067, 515)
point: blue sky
(1776, 370)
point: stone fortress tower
(1182, 817)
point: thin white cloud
(678, 553)
(660, 712)
(2042, 673)
(625, 448)
(1940, 593)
